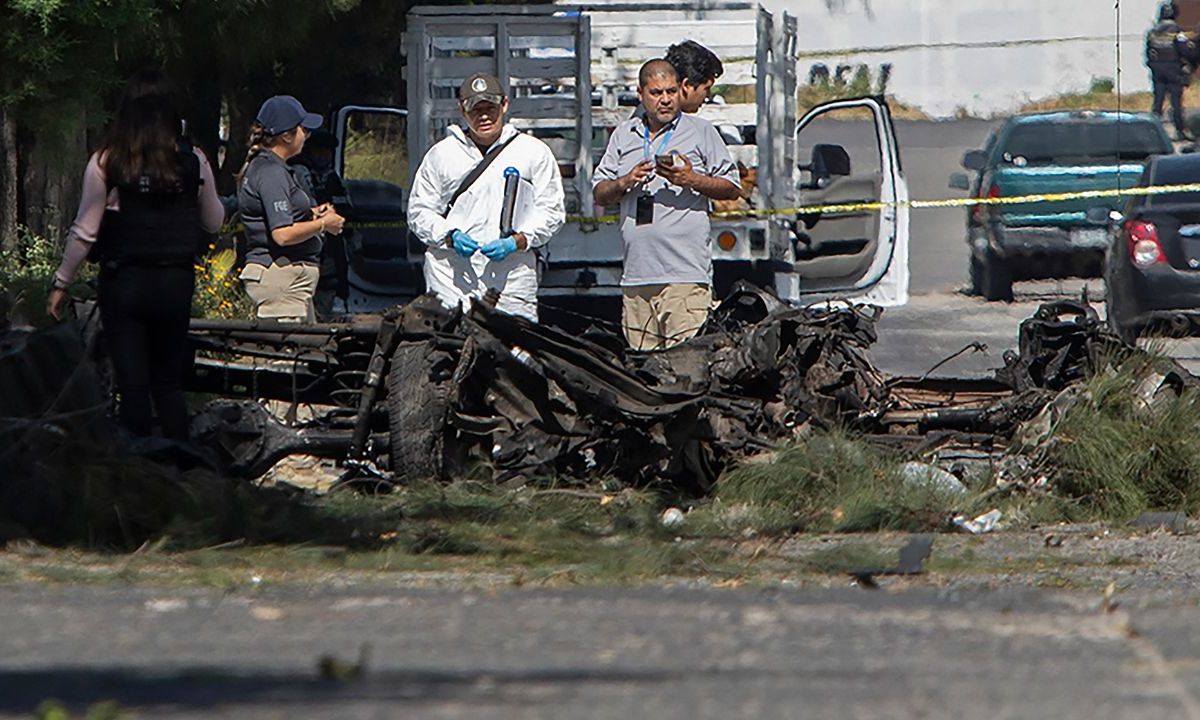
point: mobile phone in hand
(665, 160)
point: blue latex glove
(464, 244)
(497, 250)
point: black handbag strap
(477, 171)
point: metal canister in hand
(512, 178)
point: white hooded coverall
(538, 215)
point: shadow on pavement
(205, 687)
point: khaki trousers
(282, 292)
(655, 317)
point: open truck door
(384, 264)
(847, 155)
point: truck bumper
(1161, 299)
(1050, 252)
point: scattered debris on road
(424, 393)
(985, 523)
(532, 401)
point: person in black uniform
(283, 224)
(148, 199)
(1169, 55)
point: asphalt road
(929, 152)
(651, 653)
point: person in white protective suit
(458, 197)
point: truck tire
(994, 276)
(417, 404)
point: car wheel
(995, 277)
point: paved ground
(930, 152)
(651, 653)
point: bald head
(658, 89)
(656, 69)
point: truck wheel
(417, 404)
(995, 277)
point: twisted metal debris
(425, 392)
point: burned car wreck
(425, 392)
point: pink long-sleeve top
(96, 198)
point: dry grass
(828, 483)
(1114, 457)
(809, 96)
(376, 150)
(1101, 97)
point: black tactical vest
(1162, 43)
(156, 225)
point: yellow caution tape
(963, 202)
(836, 208)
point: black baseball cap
(478, 88)
(282, 113)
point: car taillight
(1144, 248)
(981, 210)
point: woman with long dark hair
(156, 198)
(283, 224)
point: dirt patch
(1086, 558)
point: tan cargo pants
(655, 317)
(282, 292)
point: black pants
(145, 312)
(1169, 84)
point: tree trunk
(51, 176)
(8, 178)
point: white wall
(983, 81)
